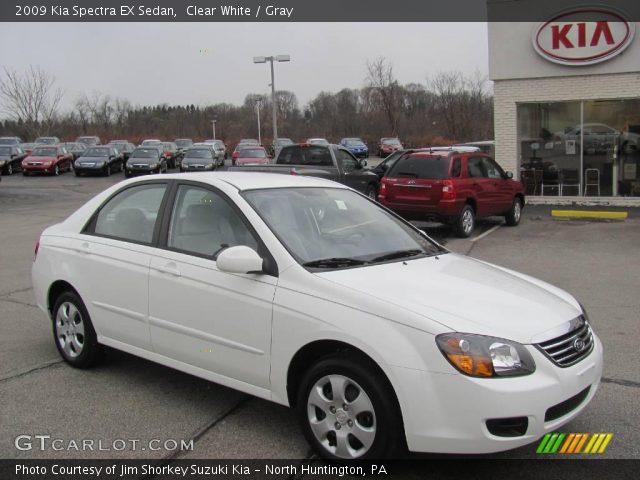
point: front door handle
(170, 269)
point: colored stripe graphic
(607, 439)
(573, 443)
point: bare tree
(380, 78)
(30, 98)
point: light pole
(277, 58)
(258, 105)
(213, 122)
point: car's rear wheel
(515, 213)
(465, 222)
(73, 331)
(347, 410)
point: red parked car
(387, 146)
(252, 155)
(52, 159)
(451, 187)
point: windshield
(148, 143)
(46, 140)
(248, 141)
(184, 143)
(45, 152)
(284, 141)
(87, 140)
(145, 153)
(253, 153)
(354, 143)
(96, 152)
(321, 225)
(199, 153)
(5, 150)
(8, 141)
(318, 141)
(391, 141)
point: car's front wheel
(73, 331)
(515, 213)
(10, 169)
(347, 410)
(465, 222)
(107, 171)
(56, 170)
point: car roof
(250, 180)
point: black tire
(56, 170)
(107, 171)
(515, 213)
(70, 306)
(10, 169)
(77, 173)
(465, 222)
(371, 192)
(386, 420)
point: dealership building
(567, 105)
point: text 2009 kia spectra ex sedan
(305, 292)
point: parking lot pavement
(132, 399)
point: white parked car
(304, 292)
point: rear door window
(475, 168)
(435, 167)
(131, 214)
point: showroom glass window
(590, 147)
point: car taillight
(35, 253)
(448, 190)
(383, 187)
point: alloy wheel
(467, 221)
(70, 330)
(341, 416)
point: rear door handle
(170, 269)
(83, 248)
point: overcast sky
(202, 63)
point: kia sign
(583, 36)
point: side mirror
(240, 259)
(509, 175)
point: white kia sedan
(305, 292)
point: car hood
(93, 159)
(465, 295)
(33, 158)
(147, 161)
(197, 161)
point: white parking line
(491, 230)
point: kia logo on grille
(578, 344)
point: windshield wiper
(398, 254)
(335, 262)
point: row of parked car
(454, 185)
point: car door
(482, 187)
(354, 175)
(199, 315)
(112, 257)
(502, 187)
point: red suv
(452, 187)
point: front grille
(561, 409)
(570, 348)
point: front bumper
(448, 413)
(133, 170)
(38, 168)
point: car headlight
(3, 163)
(482, 356)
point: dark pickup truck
(332, 162)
